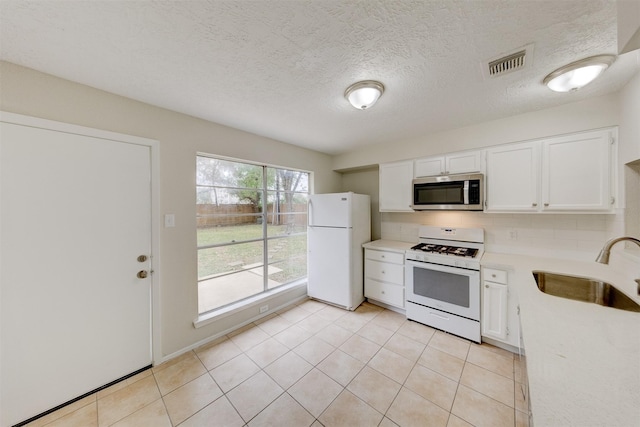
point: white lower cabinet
(498, 308)
(384, 277)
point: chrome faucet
(603, 257)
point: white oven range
(442, 279)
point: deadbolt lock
(142, 258)
(142, 274)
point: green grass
(286, 253)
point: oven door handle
(439, 315)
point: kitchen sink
(584, 289)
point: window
(252, 234)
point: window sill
(215, 315)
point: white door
(75, 214)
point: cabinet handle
(493, 275)
(546, 204)
(381, 256)
(382, 292)
(382, 271)
(486, 286)
(534, 204)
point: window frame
(266, 239)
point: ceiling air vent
(507, 64)
(513, 61)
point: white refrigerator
(339, 223)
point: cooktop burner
(445, 250)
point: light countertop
(583, 360)
(388, 245)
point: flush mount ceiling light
(364, 94)
(578, 74)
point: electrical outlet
(264, 308)
(513, 235)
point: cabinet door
(395, 186)
(430, 166)
(494, 310)
(468, 161)
(576, 172)
(512, 178)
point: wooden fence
(211, 215)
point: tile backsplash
(569, 236)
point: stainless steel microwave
(463, 192)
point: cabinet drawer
(496, 276)
(383, 256)
(384, 292)
(384, 272)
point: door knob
(142, 274)
(142, 258)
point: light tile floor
(316, 365)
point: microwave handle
(465, 193)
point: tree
(249, 177)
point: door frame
(154, 148)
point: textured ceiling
(279, 68)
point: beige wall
(28, 92)
(366, 182)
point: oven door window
(441, 193)
(441, 286)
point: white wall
(630, 120)
(587, 114)
(563, 236)
(28, 92)
(630, 156)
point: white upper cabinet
(395, 186)
(512, 177)
(576, 172)
(430, 166)
(572, 173)
(463, 162)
